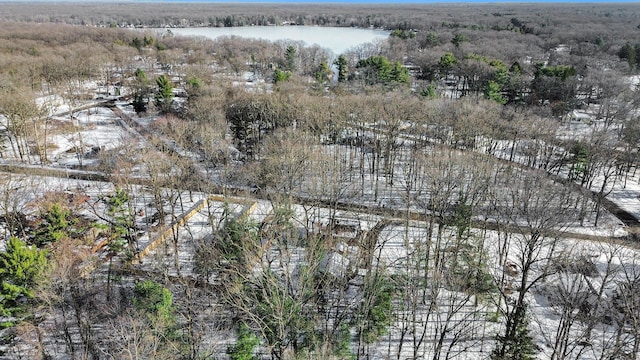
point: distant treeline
(528, 18)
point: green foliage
(164, 94)
(148, 41)
(556, 85)
(139, 103)
(343, 70)
(431, 39)
(399, 73)
(462, 213)
(283, 213)
(34, 51)
(282, 312)
(458, 39)
(379, 70)
(501, 74)
(141, 76)
(3, 144)
(290, 58)
(141, 87)
(245, 346)
(630, 53)
(122, 222)
(468, 271)
(240, 228)
(283, 304)
(55, 225)
(403, 34)
(492, 62)
(21, 269)
(235, 235)
(194, 87)
(281, 76)
(342, 343)
(493, 91)
(250, 118)
(493, 316)
(519, 345)
(562, 72)
(581, 162)
(429, 92)
(323, 73)
(154, 300)
(195, 83)
(137, 43)
(516, 68)
(6, 325)
(447, 61)
(377, 301)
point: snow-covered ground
(396, 252)
(96, 130)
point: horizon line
(336, 2)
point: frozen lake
(336, 39)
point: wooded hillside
(466, 188)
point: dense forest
(466, 188)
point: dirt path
(627, 218)
(395, 215)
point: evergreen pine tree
(21, 268)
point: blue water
(390, 2)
